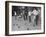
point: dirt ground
(21, 25)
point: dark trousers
(25, 17)
(37, 19)
(29, 18)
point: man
(25, 15)
(29, 14)
(35, 13)
(15, 15)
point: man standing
(25, 15)
(29, 14)
(35, 13)
(15, 15)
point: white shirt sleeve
(29, 13)
(15, 13)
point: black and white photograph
(25, 18)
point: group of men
(29, 13)
(34, 13)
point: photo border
(7, 17)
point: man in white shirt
(15, 15)
(29, 14)
(35, 13)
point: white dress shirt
(29, 13)
(35, 12)
(15, 13)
